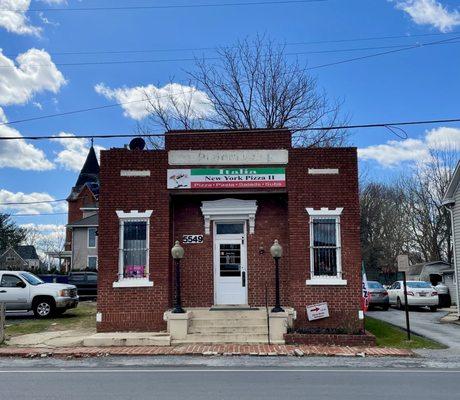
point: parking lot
(425, 323)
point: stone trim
(323, 171)
(134, 172)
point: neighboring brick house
(80, 249)
(226, 196)
(23, 257)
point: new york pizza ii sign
(317, 311)
(226, 178)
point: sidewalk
(205, 350)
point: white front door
(230, 263)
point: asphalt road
(425, 323)
(235, 383)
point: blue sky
(412, 85)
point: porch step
(200, 323)
(223, 338)
(218, 328)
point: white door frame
(230, 239)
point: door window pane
(230, 260)
(230, 229)
(10, 281)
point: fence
(2, 322)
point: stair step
(249, 329)
(205, 322)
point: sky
(42, 40)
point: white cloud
(18, 153)
(396, 152)
(137, 110)
(20, 197)
(75, 151)
(35, 73)
(17, 21)
(430, 12)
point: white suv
(21, 290)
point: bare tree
(254, 85)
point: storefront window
(133, 262)
(134, 249)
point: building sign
(192, 239)
(317, 311)
(227, 157)
(226, 178)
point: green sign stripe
(237, 171)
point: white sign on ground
(317, 311)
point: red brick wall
(197, 266)
(279, 215)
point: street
(425, 323)
(224, 383)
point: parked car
(21, 290)
(86, 283)
(419, 294)
(378, 295)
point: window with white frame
(133, 263)
(325, 244)
(92, 262)
(92, 237)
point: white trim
(135, 172)
(132, 282)
(228, 157)
(97, 261)
(323, 171)
(319, 281)
(229, 209)
(324, 211)
(95, 237)
(134, 215)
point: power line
(120, 62)
(249, 131)
(32, 202)
(159, 7)
(36, 215)
(146, 99)
(140, 51)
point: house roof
(449, 196)
(427, 267)
(88, 176)
(92, 220)
(27, 252)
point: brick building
(226, 196)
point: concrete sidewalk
(204, 350)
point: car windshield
(31, 278)
(419, 285)
(374, 285)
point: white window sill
(326, 282)
(132, 283)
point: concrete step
(228, 314)
(108, 339)
(207, 322)
(222, 338)
(214, 328)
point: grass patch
(388, 335)
(82, 317)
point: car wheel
(433, 309)
(43, 308)
(385, 308)
(399, 304)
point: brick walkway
(205, 350)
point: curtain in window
(325, 247)
(134, 249)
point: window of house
(92, 237)
(133, 262)
(92, 262)
(10, 258)
(325, 247)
